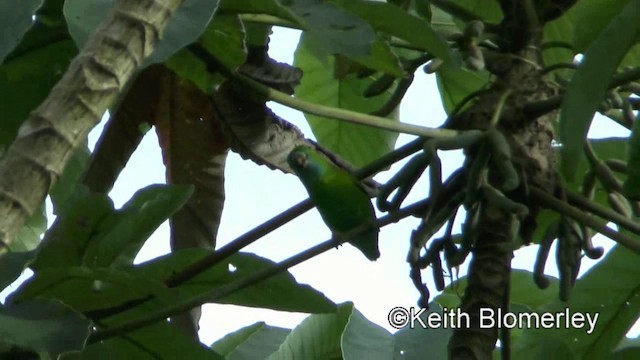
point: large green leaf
(356, 143)
(66, 242)
(186, 24)
(413, 342)
(15, 20)
(11, 266)
(124, 232)
(88, 289)
(590, 18)
(590, 82)
(43, 326)
(488, 11)
(523, 291)
(158, 341)
(28, 238)
(392, 20)
(456, 83)
(223, 39)
(335, 31)
(25, 82)
(632, 184)
(280, 292)
(611, 290)
(363, 339)
(256, 341)
(344, 334)
(67, 184)
(266, 7)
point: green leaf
(488, 11)
(392, 20)
(335, 31)
(67, 184)
(523, 291)
(632, 184)
(280, 292)
(363, 339)
(590, 82)
(266, 7)
(158, 341)
(124, 232)
(15, 20)
(11, 266)
(457, 83)
(26, 81)
(88, 289)
(223, 38)
(185, 25)
(626, 354)
(66, 242)
(43, 326)
(256, 341)
(317, 337)
(28, 237)
(591, 17)
(615, 302)
(559, 30)
(356, 143)
(412, 343)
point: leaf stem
(344, 115)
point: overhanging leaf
(11, 266)
(43, 326)
(160, 340)
(256, 341)
(590, 82)
(123, 233)
(394, 21)
(357, 144)
(186, 25)
(615, 302)
(15, 20)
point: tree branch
(75, 105)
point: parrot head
(303, 160)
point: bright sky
(343, 274)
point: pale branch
(242, 283)
(342, 114)
(48, 138)
(553, 203)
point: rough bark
(47, 139)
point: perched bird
(340, 198)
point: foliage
(356, 59)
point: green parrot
(341, 200)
